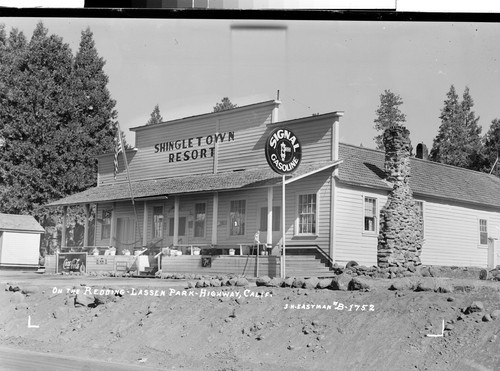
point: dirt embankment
(260, 328)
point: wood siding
(351, 242)
(19, 248)
(237, 142)
(242, 265)
(451, 231)
(320, 185)
(315, 138)
(233, 138)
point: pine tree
(94, 118)
(155, 116)
(34, 132)
(473, 145)
(492, 149)
(224, 105)
(388, 114)
(458, 141)
(55, 116)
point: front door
(125, 234)
(183, 240)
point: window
(237, 218)
(307, 214)
(370, 222)
(106, 224)
(483, 232)
(199, 220)
(182, 226)
(276, 219)
(158, 222)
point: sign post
(283, 154)
(283, 233)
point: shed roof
(225, 181)
(365, 167)
(19, 223)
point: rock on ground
(359, 284)
(341, 282)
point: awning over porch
(225, 181)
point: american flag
(118, 149)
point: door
(183, 240)
(125, 234)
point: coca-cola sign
(72, 262)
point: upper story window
(370, 214)
(483, 232)
(237, 218)
(199, 219)
(106, 224)
(158, 222)
(307, 214)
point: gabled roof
(19, 223)
(226, 181)
(365, 167)
(212, 114)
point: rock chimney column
(400, 237)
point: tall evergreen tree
(94, 111)
(473, 131)
(224, 105)
(56, 114)
(155, 116)
(33, 132)
(458, 141)
(492, 148)
(388, 114)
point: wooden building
(201, 185)
(19, 241)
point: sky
(187, 66)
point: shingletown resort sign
(283, 151)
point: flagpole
(128, 176)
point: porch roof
(225, 181)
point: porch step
(306, 263)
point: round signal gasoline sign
(283, 151)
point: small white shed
(19, 241)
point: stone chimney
(400, 237)
(422, 151)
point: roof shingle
(252, 178)
(365, 167)
(12, 222)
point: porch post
(112, 228)
(145, 225)
(333, 195)
(215, 213)
(86, 226)
(63, 232)
(176, 221)
(269, 239)
(334, 156)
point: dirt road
(162, 324)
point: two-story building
(202, 185)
